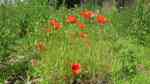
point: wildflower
(55, 24)
(81, 25)
(101, 20)
(65, 77)
(83, 35)
(40, 46)
(48, 30)
(87, 14)
(72, 19)
(53, 21)
(34, 62)
(82, 1)
(76, 69)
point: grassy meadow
(33, 51)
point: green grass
(117, 51)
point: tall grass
(121, 52)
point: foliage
(29, 51)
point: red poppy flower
(55, 24)
(48, 30)
(76, 69)
(53, 21)
(87, 14)
(101, 20)
(83, 35)
(40, 46)
(81, 25)
(71, 19)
